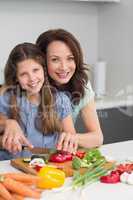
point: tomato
(125, 167)
(80, 154)
(37, 167)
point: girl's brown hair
(77, 84)
(46, 110)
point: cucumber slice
(26, 160)
(38, 156)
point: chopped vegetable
(38, 167)
(37, 161)
(42, 156)
(68, 156)
(26, 160)
(80, 154)
(51, 177)
(113, 177)
(127, 167)
(77, 163)
(92, 155)
(60, 156)
(88, 160)
(91, 175)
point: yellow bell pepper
(51, 177)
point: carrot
(4, 193)
(22, 177)
(2, 198)
(17, 196)
(20, 188)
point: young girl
(35, 113)
(67, 72)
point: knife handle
(26, 151)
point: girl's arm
(13, 137)
(93, 137)
(68, 140)
(2, 123)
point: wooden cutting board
(66, 167)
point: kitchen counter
(107, 102)
(95, 191)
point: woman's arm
(93, 137)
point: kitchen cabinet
(98, 0)
(116, 124)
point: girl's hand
(13, 137)
(68, 142)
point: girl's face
(60, 62)
(30, 75)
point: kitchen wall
(24, 20)
(104, 29)
(116, 45)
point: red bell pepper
(68, 156)
(57, 157)
(60, 157)
(113, 177)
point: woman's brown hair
(46, 111)
(77, 84)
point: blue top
(28, 114)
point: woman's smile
(60, 62)
(62, 75)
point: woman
(67, 72)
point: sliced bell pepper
(60, 157)
(113, 177)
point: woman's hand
(68, 142)
(13, 137)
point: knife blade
(37, 150)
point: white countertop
(106, 102)
(94, 191)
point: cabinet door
(116, 124)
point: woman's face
(60, 62)
(30, 75)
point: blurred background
(105, 31)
